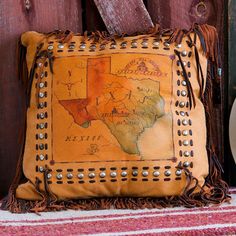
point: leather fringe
(215, 190)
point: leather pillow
(110, 118)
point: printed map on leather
(114, 118)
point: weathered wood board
(183, 13)
(17, 16)
(124, 16)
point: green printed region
(129, 115)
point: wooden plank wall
(17, 16)
(124, 16)
(183, 13)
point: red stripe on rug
(197, 232)
(113, 226)
(167, 212)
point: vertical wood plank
(124, 16)
(160, 12)
(183, 13)
(15, 18)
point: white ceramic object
(232, 130)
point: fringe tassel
(218, 188)
(214, 191)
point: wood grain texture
(15, 18)
(160, 12)
(183, 13)
(124, 16)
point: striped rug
(175, 221)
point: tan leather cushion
(113, 119)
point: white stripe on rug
(59, 221)
(143, 213)
(166, 230)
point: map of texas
(126, 105)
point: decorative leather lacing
(190, 94)
(200, 77)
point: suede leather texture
(114, 119)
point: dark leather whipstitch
(200, 77)
(192, 102)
